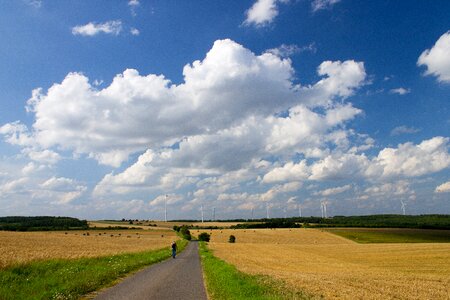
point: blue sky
(106, 107)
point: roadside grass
(393, 235)
(224, 282)
(71, 279)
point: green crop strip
(224, 282)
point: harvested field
(325, 264)
(22, 247)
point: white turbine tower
(202, 212)
(299, 210)
(267, 210)
(323, 207)
(214, 213)
(252, 214)
(165, 209)
(403, 206)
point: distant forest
(41, 223)
(372, 221)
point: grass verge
(71, 279)
(393, 235)
(224, 281)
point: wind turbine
(299, 210)
(165, 209)
(214, 213)
(202, 212)
(403, 206)
(323, 207)
(267, 210)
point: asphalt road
(179, 278)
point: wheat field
(22, 247)
(327, 265)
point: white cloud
(323, 4)
(63, 190)
(339, 166)
(34, 3)
(16, 134)
(137, 112)
(404, 130)
(280, 189)
(13, 186)
(437, 59)
(289, 171)
(262, 12)
(400, 91)
(170, 198)
(289, 50)
(92, 28)
(397, 189)
(408, 160)
(411, 160)
(44, 156)
(133, 3)
(443, 188)
(134, 31)
(334, 191)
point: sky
(118, 109)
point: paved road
(179, 278)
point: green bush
(185, 232)
(232, 239)
(204, 237)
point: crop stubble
(22, 247)
(324, 264)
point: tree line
(371, 221)
(41, 223)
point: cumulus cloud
(334, 191)
(223, 96)
(397, 189)
(323, 4)
(403, 130)
(443, 188)
(437, 59)
(134, 31)
(262, 12)
(411, 160)
(92, 28)
(400, 91)
(63, 190)
(407, 160)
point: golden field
(21, 247)
(327, 265)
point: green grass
(71, 279)
(224, 281)
(393, 235)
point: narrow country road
(179, 278)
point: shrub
(176, 228)
(204, 237)
(185, 232)
(232, 239)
